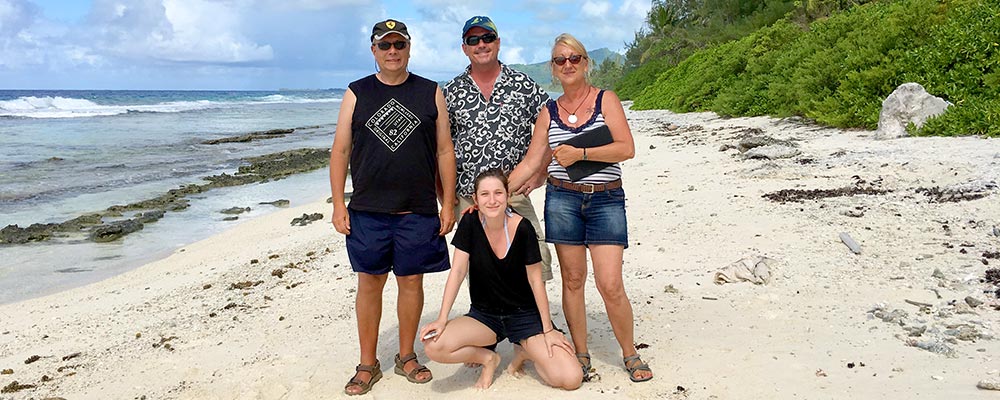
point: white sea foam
(62, 107)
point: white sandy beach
(177, 329)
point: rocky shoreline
(112, 224)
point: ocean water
(66, 153)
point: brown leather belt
(585, 187)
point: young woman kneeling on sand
(499, 251)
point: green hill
(540, 72)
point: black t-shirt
(394, 146)
(498, 286)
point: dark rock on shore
(306, 219)
(13, 234)
(150, 216)
(236, 210)
(115, 230)
(277, 203)
(271, 134)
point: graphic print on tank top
(392, 124)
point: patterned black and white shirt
(492, 134)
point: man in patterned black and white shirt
(492, 110)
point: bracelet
(550, 330)
(584, 153)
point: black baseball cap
(381, 29)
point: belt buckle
(585, 186)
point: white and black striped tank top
(559, 133)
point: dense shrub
(838, 70)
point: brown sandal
(374, 370)
(412, 376)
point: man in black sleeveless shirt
(393, 130)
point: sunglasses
(573, 59)
(399, 45)
(486, 38)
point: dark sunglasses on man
(573, 59)
(399, 45)
(486, 38)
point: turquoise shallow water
(65, 153)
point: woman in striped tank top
(587, 212)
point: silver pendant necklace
(572, 115)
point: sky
(274, 44)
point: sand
(265, 310)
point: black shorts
(514, 327)
(406, 244)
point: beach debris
(908, 104)
(231, 218)
(15, 387)
(7, 371)
(755, 269)
(989, 384)
(32, 359)
(115, 230)
(821, 373)
(996, 231)
(918, 304)
(972, 190)
(235, 210)
(973, 302)
(641, 346)
(244, 285)
(851, 244)
(206, 286)
(933, 346)
(798, 195)
(671, 289)
(277, 203)
(71, 356)
(278, 272)
(165, 343)
(306, 219)
(854, 212)
(771, 152)
(709, 298)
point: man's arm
(446, 165)
(340, 155)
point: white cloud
(175, 30)
(596, 8)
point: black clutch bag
(595, 138)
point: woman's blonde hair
(574, 44)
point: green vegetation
(836, 69)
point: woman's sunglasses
(399, 45)
(573, 59)
(486, 38)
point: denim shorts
(406, 244)
(585, 219)
(515, 326)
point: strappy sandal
(585, 366)
(374, 370)
(638, 366)
(412, 376)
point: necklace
(572, 115)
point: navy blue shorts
(406, 244)
(577, 218)
(514, 327)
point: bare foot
(472, 365)
(489, 367)
(516, 367)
